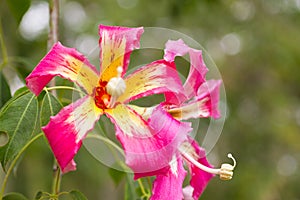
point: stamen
(197, 164)
(115, 87)
(225, 172)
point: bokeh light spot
(35, 21)
(243, 10)
(287, 165)
(88, 45)
(127, 4)
(297, 4)
(74, 15)
(231, 44)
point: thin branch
(53, 23)
(53, 32)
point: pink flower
(199, 98)
(108, 92)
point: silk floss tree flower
(155, 140)
(108, 92)
(199, 98)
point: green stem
(57, 181)
(3, 48)
(11, 167)
(56, 173)
(145, 194)
(125, 167)
(149, 183)
(63, 88)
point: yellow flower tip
(116, 86)
(226, 171)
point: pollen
(107, 93)
(102, 98)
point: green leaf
(18, 8)
(4, 90)
(50, 107)
(38, 195)
(14, 196)
(18, 119)
(116, 175)
(130, 188)
(76, 195)
(21, 91)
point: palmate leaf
(50, 107)
(18, 118)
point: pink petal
(67, 129)
(66, 63)
(197, 72)
(169, 186)
(156, 77)
(210, 90)
(188, 192)
(205, 103)
(175, 48)
(199, 178)
(149, 146)
(116, 45)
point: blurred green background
(256, 46)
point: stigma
(225, 171)
(115, 87)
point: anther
(226, 171)
(115, 87)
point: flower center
(102, 98)
(107, 93)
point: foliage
(18, 8)
(17, 119)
